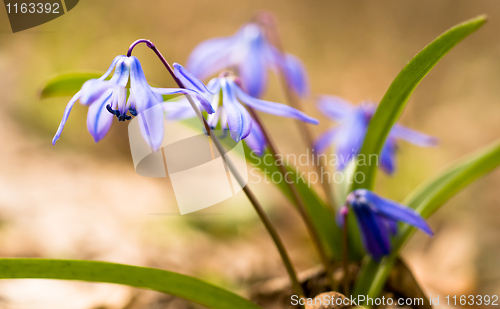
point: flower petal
(296, 75)
(256, 140)
(214, 85)
(144, 97)
(112, 66)
(189, 80)
(374, 233)
(66, 113)
(98, 118)
(94, 88)
(179, 110)
(200, 98)
(412, 136)
(151, 125)
(239, 120)
(211, 56)
(253, 70)
(388, 155)
(325, 140)
(335, 107)
(397, 212)
(271, 107)
(350, 136)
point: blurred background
(81, 200)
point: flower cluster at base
(349, 135)
(108, 98)
(378, 219)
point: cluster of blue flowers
(249, 56)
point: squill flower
(349, 135)
(228, 101)
(252, 55)
(108, 98)
(378, 219)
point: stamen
(120, 116)
(132, 111)
(112, 111)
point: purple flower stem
(296, 286)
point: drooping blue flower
(231, 114)
(252, 55)
(349, 135)
(378, 219)
(108, 98)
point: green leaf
(159, 280)
(427, 199)
(67, 84)
(395, 99)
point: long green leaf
(149, 278)
(66, 84)
(426, 199)
(395, 99)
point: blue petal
(94, 88)
(214, 85)
(397, 212)
(253, 67)
(179, 110)
(412, 136)
(201, 99)
(211, 56)
(325, 140)
(112, 66)
(239, 121)
(392, 226)
(335, 107)
(271, 107)
(151, 125)
(388, 155)
(66, 113)
(143, 95)
(256, 140)
(98, 118)
(350, 136)
(296, 75)
(374, 233)
(189, 80)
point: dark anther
(132, 111)
(112, 111)
(124, 117)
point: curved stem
(297, 288)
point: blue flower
(378, 219)
(349, 135)
(108, 98)
(231, 114)
(252, 55)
